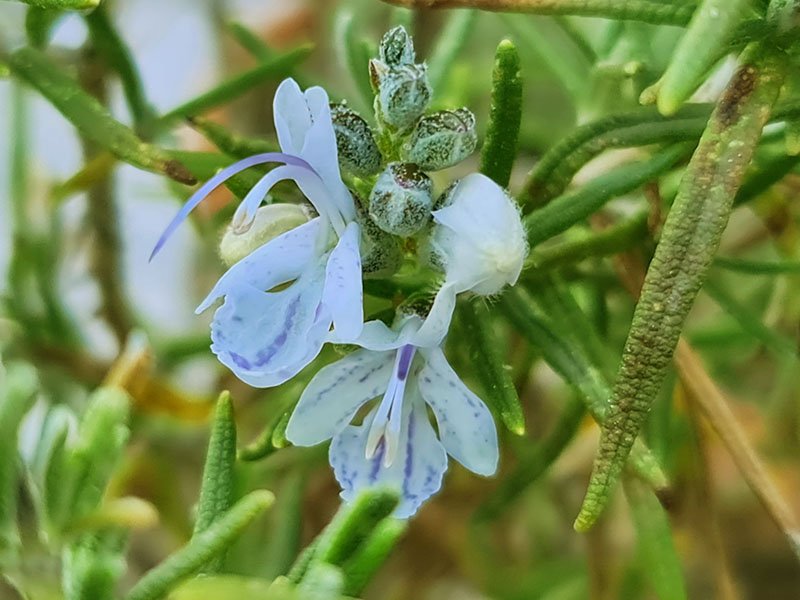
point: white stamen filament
(387, 422)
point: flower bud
(270, 221)
(403, 92)
(358, 152)
(381, 253)
(441, 139)
(397, 48)
(478, 238)
(401, 201)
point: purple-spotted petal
(344, 294)
(416, 471)
(466, 427)
(216, 181)
(266, 338)
(335, 394)
(437, 323)
(280, 260)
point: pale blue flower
(396, 444)
(265, 337)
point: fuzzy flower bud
(401, 201)
(270, 222)
(397, 47)
(478, 238)
(358, 152)
(381, 253)
(441, 139)
(403, 92)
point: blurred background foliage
(77, 225)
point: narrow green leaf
(231, 89)
(502, 132)
(92, 564)
(102, 436)
(250, 41)
(533, 465)
(489, 365)
(17, 394)
(781, 346)
(229, 142)
(642, 126)
(47, 466)
(617, 238)
(365, 562)
(216, 491)
(550, 46)
(568, 360)
(286, 526)
(754, 267)
(767, 173)
(201, 549)
(353, 525)
(657, 553)
(645, 11)
(575, 206)
(303, 561)
(712, 27)
(110, 45)
(689, 240)
(353, 55)
(449, 44)
(90, 117)
(63, 4)
(322, 582)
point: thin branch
(712, 402)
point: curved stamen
(219, 179)
(387, 422)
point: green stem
(688, 243)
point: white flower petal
(266, 338)
(481, 235)
(437, 323)
(343, 293)
(335, 393)
(278, 261)
(416, 472)
(466, 427)
(376, 335)
(292, 119)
